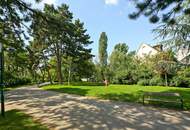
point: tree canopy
(164, 10)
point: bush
(12, 81)
(143, 82)
(156, 81)
(16, 82)
(128, 82)
(123, 81)
(180, 81)
(87, 84)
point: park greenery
(49, 45)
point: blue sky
(110, 16)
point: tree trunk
(166, 79)
(49, 76)
(69, 76)
(59, 71)
(43, 75)
(102, 74)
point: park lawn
(131, 93)
(16, 120)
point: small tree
(164, 64)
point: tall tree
(65, 38)
(103, 56)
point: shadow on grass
(15, 120)
(132, 97)
(122, 97)
(76, 91)
(185, 96)
(137, 98)
(87, 84)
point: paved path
(69, 112)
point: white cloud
(111, 2)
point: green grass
(16, 120)
(131, 93)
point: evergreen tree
(63, 37)
(175, 36)
(103, 56)
(165, 10)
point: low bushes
(143, 82)
(87, 84)
(156, 81)
(180, 81)
(182, 78)
(12, 81)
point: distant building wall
(146, 50)
(183, 54)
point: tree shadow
(15, 120)
(138, 98)
(65, 112)
(185, 94)
(76, 91)
(121, 97)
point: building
(183, 54)
(147, 50)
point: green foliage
(143, 82)
(64, 37)
(175, 36)
(87, 84)
(156, 81)
(14, 16)
(58, 50)
(121, 64)
(182, 79)
(103, 49)
(165, 65)
(103, 56)
(165, 10)
(12, 81)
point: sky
(110, 16)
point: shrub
(143, 82)
(12, 81)
(16, 82)
(128, 82)
(180, 81)
(156, 81)
(87, 84)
